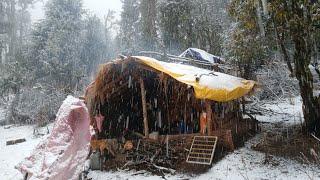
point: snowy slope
(288, 111)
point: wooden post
(229, 140)
(209, 117)
(185, 118)
(144, 108)
(167, 146)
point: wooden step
(202, 148)
(206, 141)
(210, 145)
(197, 158)
(206, 154)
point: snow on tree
(94, 45)
(130, 33)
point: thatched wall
(116, 95)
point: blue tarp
(201, 55)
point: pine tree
(57, 44)
(245, 44)
(148, 23)
(129, 37)
(14, 29)
(176, 24)
(94, 45)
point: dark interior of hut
(171, 106)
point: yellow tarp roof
(207, 85)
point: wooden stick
(185, 118)
(167, 146)
(144, 108)
(209, 117)
(314, 136)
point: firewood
(172, 171)
(16, 141)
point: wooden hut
(156, 99)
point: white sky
(98, 7)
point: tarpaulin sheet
(61, 156)
(207, 84)
(201, 55)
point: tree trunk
(12, 32)
(310, 104)
(14, 103)
(148, 15)
(283, 49)
(300, 29)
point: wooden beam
(209, 117)
(144, 108)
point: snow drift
(62, 154)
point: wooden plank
(196, 162)
(200, 149)
(200, 158)
(206, 137)
(208, 145)
(205, 141)
(206, 154)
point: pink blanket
(62, 155)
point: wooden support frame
(144, 108)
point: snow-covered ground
(243, 163)
(246, 163)
(288, 111)
(13, 154)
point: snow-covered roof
(201, 55)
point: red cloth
(99, 121)
(203, 123)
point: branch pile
(158, 157)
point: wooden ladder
(202, 150)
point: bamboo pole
(185, 118)
(209, 117)
(144, 108)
